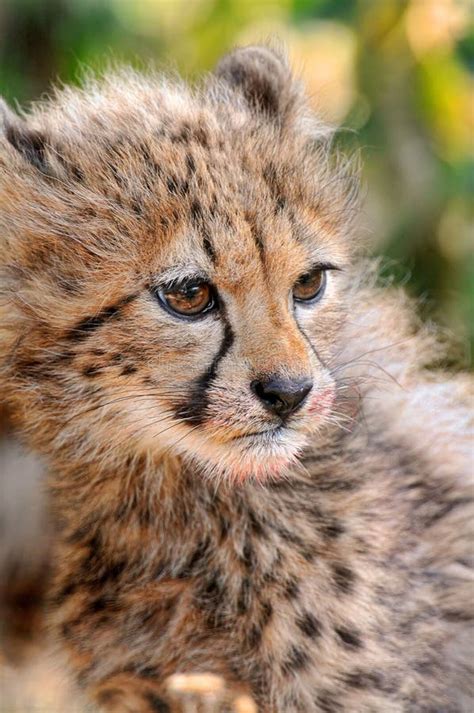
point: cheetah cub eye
(311, 286)
(187, 299)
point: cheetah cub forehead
(175, 261)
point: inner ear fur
(30, 143)
(264, 79)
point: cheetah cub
(251, 472)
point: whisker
(372, 351)
(120, 399)
(367, 363)
(175, 443)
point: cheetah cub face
(178, 266)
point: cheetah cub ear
(30, 143)
(263, 78)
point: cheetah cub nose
(281, 396)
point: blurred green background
(396, 73)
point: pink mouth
(321, 402)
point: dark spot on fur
(313, 512)
(157, 704)
(199, 555)
(35, 368)
(292, 589)
(248, 555)
(79, 534)
(255, 525)
(172, 183)
(119, 180)
(364, 679)
(99, 604)
(224, 525)
(184, 187)
(150, 672)
(161, 570)
(64, 594)
(82, 676)
(110, 695)
(288, 535)
(64, 357)
(254, 636)
(182, 136)
(456, 615)
(196, 211)
(145, 514)
(191, 164)
(343, 578)
(266, 614)
(209, 249)
(111, 573)
(129, 369)
(280, 203)
(211, 589)
(243, 602)
(445, 508)
(269, 174)
(151, 164)
(258, 239)
(337, 486)
(349, 638)
(309, 625)
(333, 529)
(213, 206)
(200, 136)
(270, 577)
(137, 206)
(76, 172)
(296, 660)
(66, 630)
(328, 703)
(308, 554)
(88, 325)
(91, 371)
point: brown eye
(188, 299)
(310, 286)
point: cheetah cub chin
(251, 471)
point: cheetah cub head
(173, 263)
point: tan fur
(321, 569)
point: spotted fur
(320, 567)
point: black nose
(281, 396)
